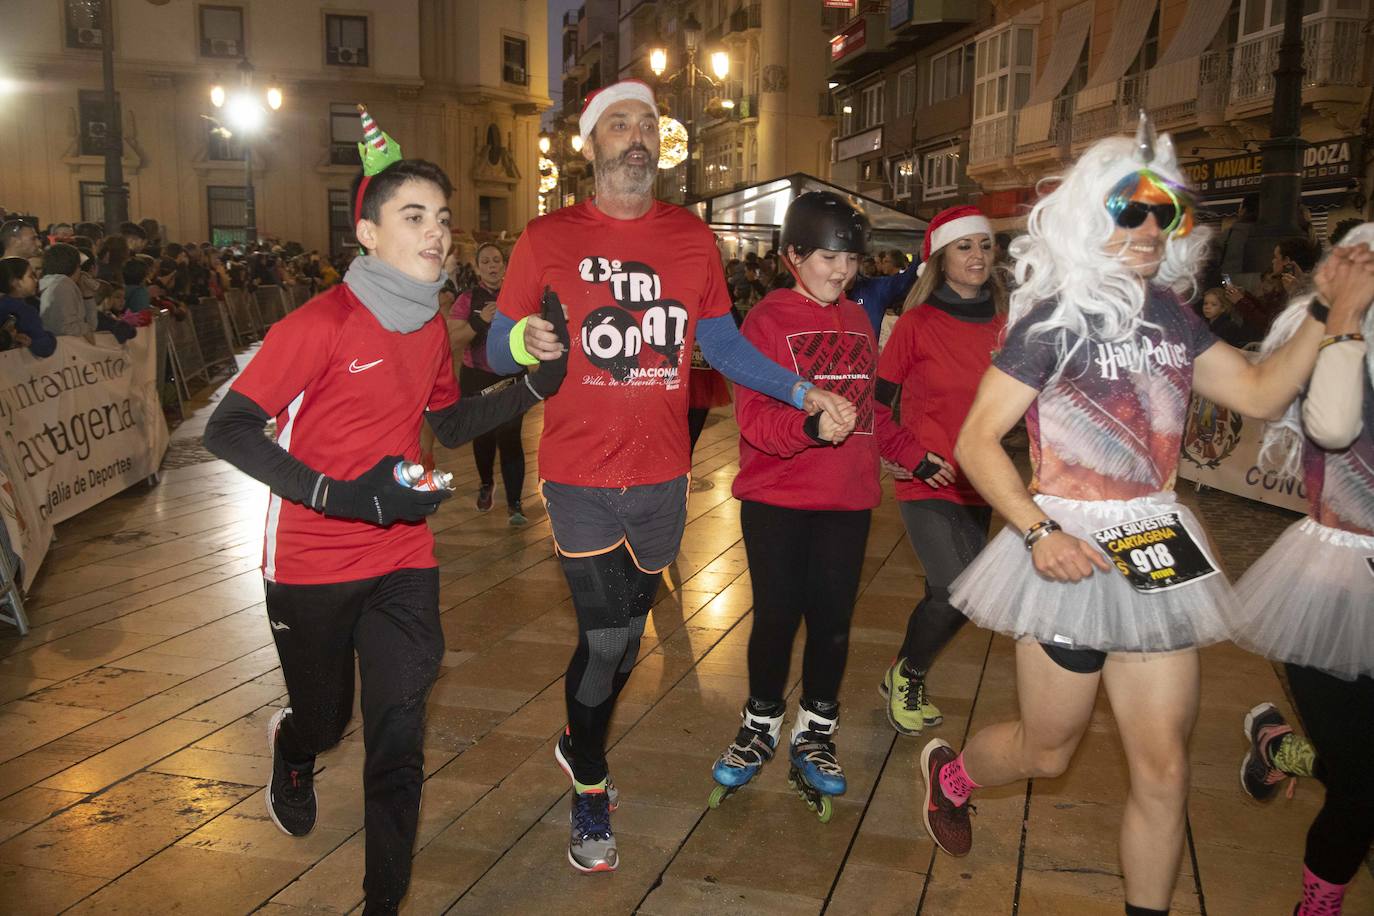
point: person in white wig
(1100, 575)
(1309, 601)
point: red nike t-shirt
(634, 290)
(345, 392)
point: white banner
(76, 428)
(1221, 450)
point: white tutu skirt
(1310, 601)
(1002, 591)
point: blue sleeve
(498, 346)
(42, 341)
(877, 294)
(734, 357)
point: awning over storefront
(750, 219)
(1074, 23)
(1176, 74)
(1129, 26)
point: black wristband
(1319, 310)
(812, 427)
(1040, 530)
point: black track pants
(392, 623)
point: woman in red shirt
(806, 487)
(930, 369)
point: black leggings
(803, 564)
(612, 597)
(1339, 719)
(696, 422)
(946, 537)
(505, 437)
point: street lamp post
(245, 112)
(720, 64)
(1280, 193)
(116, 195)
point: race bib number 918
(1155, 553)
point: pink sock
(1319, 898)
(955, 781)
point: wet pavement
(132, 724)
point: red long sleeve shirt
(833, 348)
(938, 359)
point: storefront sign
(841, 4)
(1325, 163)
(852, 39)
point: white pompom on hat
(950, 225)
(597, 103)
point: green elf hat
(378, 150)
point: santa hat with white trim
(950, 225)
(597, 103)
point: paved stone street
(133, 753)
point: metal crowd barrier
(300, 295)
(271, 304)
(215, 334)
(243, 314)
(187, 360)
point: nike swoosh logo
(278, 625)
(355, 367)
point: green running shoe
(908, 708)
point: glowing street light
(658, 60)
(217, 96)
(720, 64)
(545, 144)
(577, 143)
(274, 98)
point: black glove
(927, 468)
(549, 374)
(480, 326)
(377, 498)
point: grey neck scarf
(398, 302)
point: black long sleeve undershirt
(234, 433)
(469, 418)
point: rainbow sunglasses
(1145, 191)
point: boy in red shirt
(348, 560)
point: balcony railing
(1112, 118)
(992, 140)
(746, 18)
(1332, 55)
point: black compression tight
(1338, 716)
(946, 537)
(804, 565)
(612, 598)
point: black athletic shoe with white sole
(291, 793)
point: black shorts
(647, 519)
(1079, 661)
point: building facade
(1050, 78)
(430, 71)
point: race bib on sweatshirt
(1155, 553)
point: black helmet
(824, 219)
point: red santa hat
(951, 225)
(597, 103)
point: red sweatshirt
(938, 359)
(831, 347)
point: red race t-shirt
(345, 392)
(634, 290)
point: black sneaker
(484, 499)
(291, 793)
(1264, 726)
